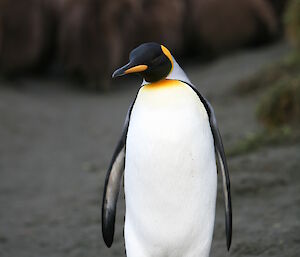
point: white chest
(170, 170)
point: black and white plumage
(168, 147)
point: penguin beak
(129, 68)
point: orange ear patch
(168, 54)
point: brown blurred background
(61, 115)
(89, 39)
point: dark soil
(56, 143)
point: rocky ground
(56, 142)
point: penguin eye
(156, 61)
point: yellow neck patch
(163, 84)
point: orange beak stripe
(137, 68)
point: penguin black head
(151, 60)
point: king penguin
(167, 152)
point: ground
(56, 142)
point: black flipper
(112, 185)
(220, 154)
(225, 174)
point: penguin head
(151, 60)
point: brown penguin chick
(163, 22)
(279, 7)
(52, 10)
(90, 38)
(219, 26)
(23, 36)
(1, 32)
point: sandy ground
(56, 142)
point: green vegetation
(279, 106)
(292, 23)
(283, 70)
(284, 136)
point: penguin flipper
(225, 173)
(112, 185)
(220, 153)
